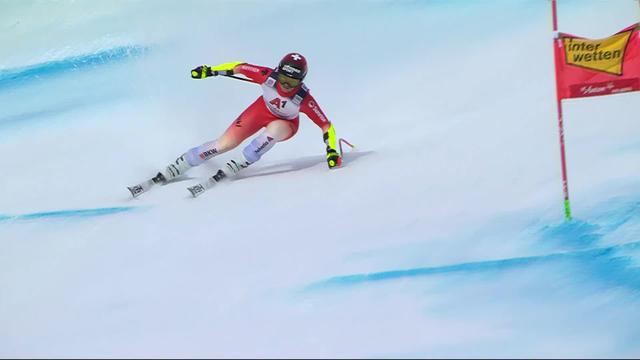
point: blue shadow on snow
(612, 264)
(50, 68)
(65, 214)
(619, 268)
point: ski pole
(236, 77)
(340, 141)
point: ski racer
(284, 96)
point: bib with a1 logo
(284, 107)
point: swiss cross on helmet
(293, 65)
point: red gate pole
(563, 157)
(563, 160)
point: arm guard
(329, 138)
(226, 68)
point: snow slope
(442, 236)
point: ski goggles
(291, 82)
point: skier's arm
(256, 73)
(310, 107)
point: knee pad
(258, 147)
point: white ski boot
(179, 167)
(173, 170)
(232, 168)
(235, 165)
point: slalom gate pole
(340, 141)
(563, 161)
(554, 15)
(563, 157)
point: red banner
(587, 67)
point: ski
(211, 181)
(143, 187)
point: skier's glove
(329, 137)
(202, 72)
(333, 159)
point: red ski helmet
(294, 66)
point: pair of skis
(198, 189)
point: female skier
(284, 96)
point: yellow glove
(333, 159)
(202, 72)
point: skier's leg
(276, 131)
(232, 137)
(244, 126)
(283, 130)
